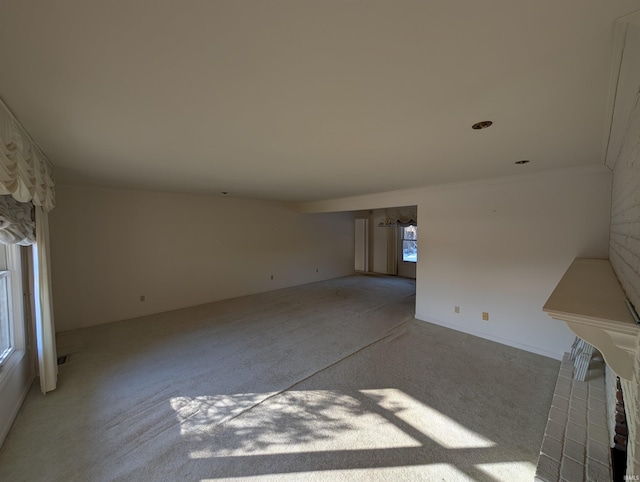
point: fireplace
(621, 433)
(590, 299)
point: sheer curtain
(26, 177)
(45, 328)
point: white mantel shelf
(590, 300)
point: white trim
(6, 275)
(486, 336)
(14, 303)
(590, 300)
(16, 313)
(14, 265)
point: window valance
(404, 215)
(25, 172)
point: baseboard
(486, 336)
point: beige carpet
(327, 381)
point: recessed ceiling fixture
(481, 125)
(524, 161)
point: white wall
(110, 246)
(624, 158)
(501, 246)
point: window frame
(403, 239)
(13, 274)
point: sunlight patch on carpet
(509, 470)
(199, 415)
(432, 423)
(292, 422)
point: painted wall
(109, 247)
(501, 246)
(624, 250)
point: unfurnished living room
(319, 240)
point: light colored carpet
(328, 381)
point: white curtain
(45, 328)
(26, 174)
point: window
(10, 289)
(5, 313)
(410, 243)
(5, 317)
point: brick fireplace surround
(624, 254)
(576, 444)
(623, 158)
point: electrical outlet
(457, 309)
(272, 277)
(142, 298)
(316, 270)
(485, 316)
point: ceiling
(303, 100)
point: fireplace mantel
(590, 300)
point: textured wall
(625, 256)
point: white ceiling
(303, 100)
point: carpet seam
(389, 333)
